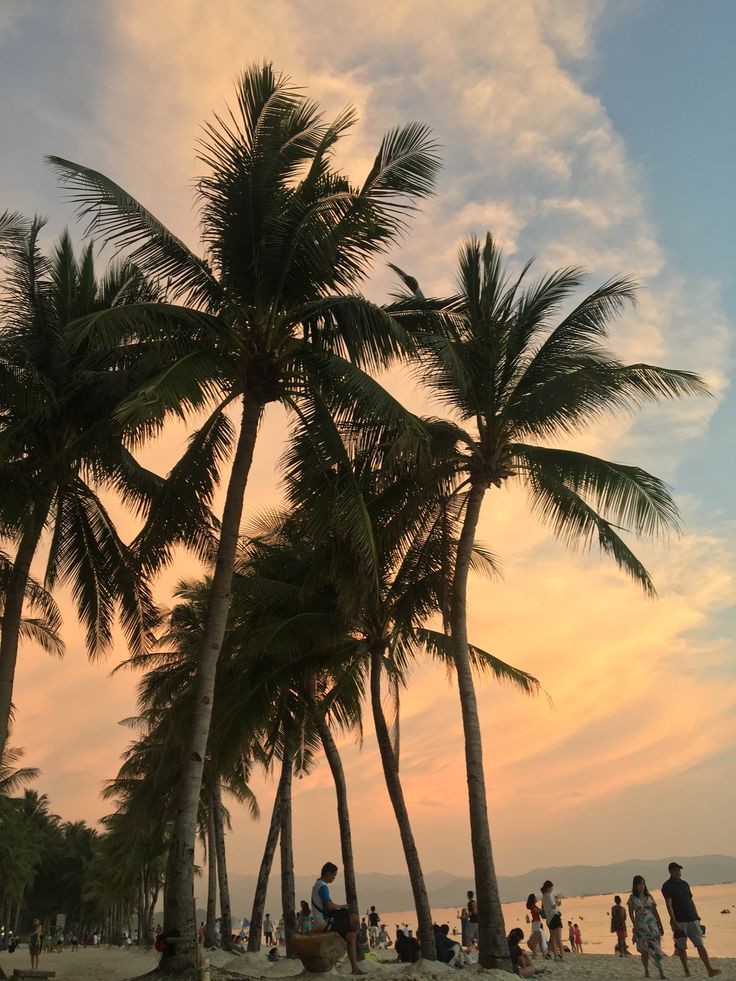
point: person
(306, 920)
(521, 964)
(578, 938)
(373, 920)
(448, 952)
(268, 929)
(281, 932)
(647, 929)
(363, 942)
(571, 936)
(551, 910)
(618, 926)
(537, 938)
(463, 917)
(384, 941)
(471, 930)
(329, 916)
(273, 955)
(407, 948)
(200, 934)
(684, 919)
(35, 942)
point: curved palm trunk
(13, 613)
(259, 899)
(493, 949)
(210, 927)
(226, 917)
(396, 794)
(288, 898)
(178, 911)
(343, 816)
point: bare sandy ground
(113, 964)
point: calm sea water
(592, 914)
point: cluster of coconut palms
(316, 608)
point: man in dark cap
(684, 919)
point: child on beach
(577, 936)
(571, 936)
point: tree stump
(319, 952)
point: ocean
(592, 914)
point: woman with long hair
(551, 909)
(537, 938)
(647, 930)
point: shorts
(621, 934)
(338, 921)
(555, 923)
(691, 931)
(374, 931)
(471, 932)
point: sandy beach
(116, 964)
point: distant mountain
(392, 893)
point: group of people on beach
(647, 927)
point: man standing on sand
(330, 916)
(373, 919)
(684, 919)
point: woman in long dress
(648, 930)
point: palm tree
(43, 626)
(515, 381)
(377, 500)
(59, 444)
(288, 239)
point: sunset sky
(579, 131)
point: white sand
(117, 964)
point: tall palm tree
(60, 444)
(288, 240)
(516, 382)
(377, 499)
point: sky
(577, 131)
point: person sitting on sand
(330, 916)
(520, 963)
(647, 930)
(384, 941)
(448, 952)
(537, 938)
(551, 909)
(407, 948)
(273, 955)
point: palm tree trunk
(288, 898)
(178, 910)
(259, 899)
(343, 816)
(226, 917)
(493, 949)
(396, 795)
(210, 928)
(13, 612)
